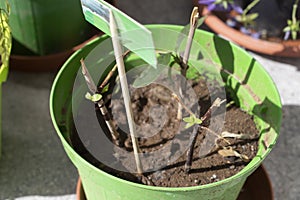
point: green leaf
(150, 74)
(201, 21)
(191, 121)
(188, 125)
(252, 16)
(88, 96)
(164, 58)
(94, 97)
(286, 29)
(225, 5)
(105, 89)
(198, 121)
(183, 34)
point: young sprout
(93, 97)
(125, 91)
(293, 25)
(188, 163)
(245, 18)
(221, 5)
(192, 120)
(97, 98)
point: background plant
(245, 21)
(5, 38)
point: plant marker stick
(125, 91)
(93, 89)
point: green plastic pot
(251, 87)
(47, 26)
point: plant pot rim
(282, 49)
(260, 173)
(251, 166)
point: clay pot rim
(45, 63)
(53, 55)
(282, 49)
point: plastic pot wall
(251, 87)
(47, 26)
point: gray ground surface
(33, 162)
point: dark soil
(206, 169)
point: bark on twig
(194, 135)
(93, 89)
(193, 26)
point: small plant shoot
(246, 21)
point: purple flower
(287, 35)
(231, 22)
(253, 34)
(223, 5)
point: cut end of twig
(83, 67)
(89, 81)
(194, 16)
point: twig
(111, 73)
(193, 26)
(179, 108)
(88, 79)
(93, 89)
(214, 133)
(194, 135)
(215, 104)
(190, 151)
(176, 97)
(125, 92)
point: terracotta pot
(45, 63)
(289, 48)
(257, 186)
(49, 62)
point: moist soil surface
(207, 167)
